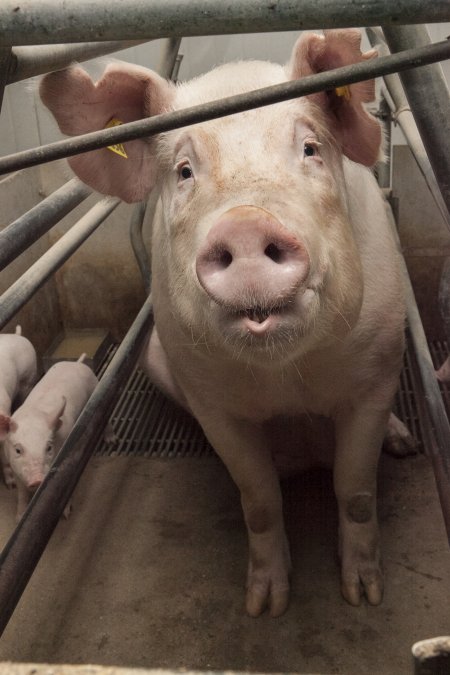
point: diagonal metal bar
(412, 58)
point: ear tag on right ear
(344, 92)
(118, 148)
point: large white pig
(277, 295)
(18, 373)
(35, 432)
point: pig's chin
(259, 328)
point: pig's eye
(310, 149)
(49, 449)
(18, 450)
(184, 171)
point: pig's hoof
(366, 580)
(67, 511)
(267, 593)
(398, 441)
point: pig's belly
(300, 443)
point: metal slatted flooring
(147, 424)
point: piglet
(34, 434)
(18, 373)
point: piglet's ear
(358, 132)
(125, 93)
(55, 417)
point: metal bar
(39, 59)
(44, 21)
(440, 451)
(5, 61)
(30, 282)
(404, 118)
(28, 541)
(138, 246)
(384, 166)
(432, 657)
(27, 229)
(429, 98)
(283, 92)
(166, 68)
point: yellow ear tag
(344, 92)
(118, 148)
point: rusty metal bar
(358, 72)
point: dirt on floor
(149, 572)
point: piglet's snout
(250, 257)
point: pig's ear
(124, 93)
(54, 418)
(358, 132)
(7, 424)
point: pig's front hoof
(367, 580)
(268, 593)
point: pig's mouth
(259, 320)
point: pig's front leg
(244, 451)
(359, 436)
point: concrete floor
(149, 572)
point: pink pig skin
(37, 430)
(18, 373)
(276, 287)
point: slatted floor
(147, 424)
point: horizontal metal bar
(27, 229)
(28, 541)
(39, 59)
(429, 98)
(412, 58)
(44, 21)
(30, 282)
(403, 116)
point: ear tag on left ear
(118, 148)
(344, 92)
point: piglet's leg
(359, 436)
(244, 451)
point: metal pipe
(30, 282)
(432, 657)
(44, 21)
(384, 166)
(282, 92)
(28, 541)
(166, 68)
(429, 99)
(403, 116)
(138, 246)
(27, 229)
(440, 450)
(5, 61)
(39, 59)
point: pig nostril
(274, 253)
(224, 259)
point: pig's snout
(249, 259)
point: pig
(35, 432)
(18, 373)
(277, 294)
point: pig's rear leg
(398, 441)
(244, 451)
(359, 436)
